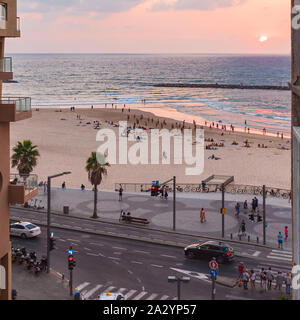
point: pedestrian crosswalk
(90, 291)
(280, 255)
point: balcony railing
(22, 103)
(6, 65)
(30, 182)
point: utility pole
(223, 206)
(295, 122)
(174, 203)
(264, 214)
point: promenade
(159, 212)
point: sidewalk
(160, 212)
(38, 287)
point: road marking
(88, 229)
(61, 240)
(141, 251)
(129, 271)
(139, 296)
(118, 253)
(280, 255)
(137, 262)
(73, 240)
(119, 248)
(87, 249)
(157, 266)
(197, 275)
(165, 255)
(278, 258)
(91, 292)
(237, 298)
(82, 286)
(282, 251)
(92, 254)
(114, 258)
(152, 297)
(129, 294)
(256, 253)
(97, 244)
(164, 297)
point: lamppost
(178, 280)
(49, 212)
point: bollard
(240, 237)
(257, 239)
(62, 277)
(231, 236)
(248, 238)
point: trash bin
(14, 294)
(66, 209)
(77, 296)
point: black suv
(207, 250)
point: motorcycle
(28, 262)
(33, 256)
(43, 264)
(36, 268)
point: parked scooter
(36, 268)
(28, 262)
(43, 264)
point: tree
(96, 166)
(25, 157)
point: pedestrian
(45, 186)
(270, 278)
(202, 215)
(241, 270)
(237, 209)
(245, 279)
(63, 186)
(279, 280)
(255, 203)
(245, 205)
(120, 193)
(286, 232)
(263, 279)
(243, 228)
(82, 187)
(252, 278)
(166, 193)
(280, 240)
(288, 282)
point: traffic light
(152, 191)
(52, 241)
(71, 261)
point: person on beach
(280, 240)
(286, 232)
(120, 193)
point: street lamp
(48, 214)
(173, 279)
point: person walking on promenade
(252, 278)
(280, 240)
(279, 280)
(263, 279)
(120, 193)
(63, 186)
(241, 269)
(288, 282)
(286, 232)
(237, 209)
(245, 279)
(270, 278)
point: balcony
(22, 188)
(6, 69)
(15, 109)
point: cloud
(203, 5)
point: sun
(263, 38)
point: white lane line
(66, 225)
(165, 255)
(91, 292)
(256, 253)
(119, 248)
(97, 244)
(157, 266)
(164, 297)
(113, 258)
(139, 296)
(101, 255)
(92, 254)
(88, 229)
(280, 255)
(117, 253)
(61, 240)
(73, 240)
(121, 290)
(129, 294)
(282, 251)
(136, 262)
(87, 249)
(278, 258)
(237, 298)
(129, 271)
(82, 286)
(141, 251)
(152, 297)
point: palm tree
(25, 158)
(96, 166)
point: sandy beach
(65, 142)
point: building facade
(11, 109)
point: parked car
(24, 230)
(207, 250)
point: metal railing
(22, 103)
(6, 64)
(193, 187)
(30, 181)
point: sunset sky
(153, 26)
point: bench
(134, 219)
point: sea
(64, 80)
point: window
(30, 226)
(3, 11)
